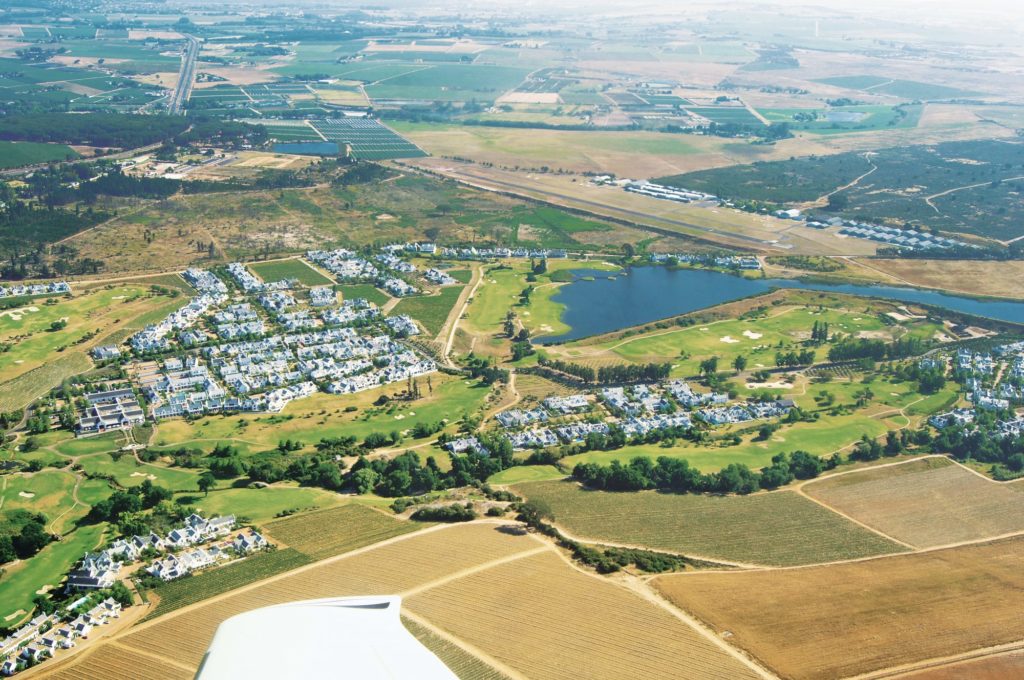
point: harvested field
(337, 530)
(780, 528)
(925, 503)
(868, 615)
(390, 569)
(971, 277)
(562, 625)
(1009, 665)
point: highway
(186, 77)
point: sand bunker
(752, 335)
(728, 339)
(769, 386)
(26, 494)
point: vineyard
(614, 632)
(868, 615)
(115, 661)
(778, 529)
(337, 530)
(926, 503)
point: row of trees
(618, 373)
(676, 474)
(877, 350)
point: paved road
(186, 77)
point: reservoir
(609, 301)
(308, 148)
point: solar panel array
(368, 138)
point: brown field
(999, 667)
(975, 277)
(925, 503)
(495, 582)
(846, 619)
(112, 660)
(562, 623)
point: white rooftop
(345, 637)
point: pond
(599, 301)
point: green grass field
(261, 505)
(127, 471)
(355, 291)
(289, 269)
(526, 473)
(16, 154)
(779, 528)
(430, 310)
(18, 585)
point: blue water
(616, 300)
(308, 148)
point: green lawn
(780, 528)
(526, 473)
(15, 154)
(261, 505)
(127, 471)
(354, 291)
(289, 269)
(430, 310)
(50, 489)
(19, 584)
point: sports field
(779, 528)
(926, 503)
(868, 615)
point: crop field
(289, 269)
(395, 568)
(15, 154)
(967, 187)
(339, 530)
(904, 89)
(115, 661)
(869, 615)
(430, 310)
(927, 503)
(548, 598)
(462, 663)
(449, 82)
(997, 667)
(726, 114)
(545, 227)
(367, 138)
(779, 528)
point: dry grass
(974, 277)
(925, 503)
(840, 620)
(546, 620)
(988, 668)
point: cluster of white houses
(41, 637)
(108, 410)
(724, 261)
(637, 410)
(20, 290)
(993, 382)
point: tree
(838, 201)
(709, 367)
(206, 482)
(32, 539)
(739, 363)
(119, 591)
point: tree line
(614, 374)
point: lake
(610, 301)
